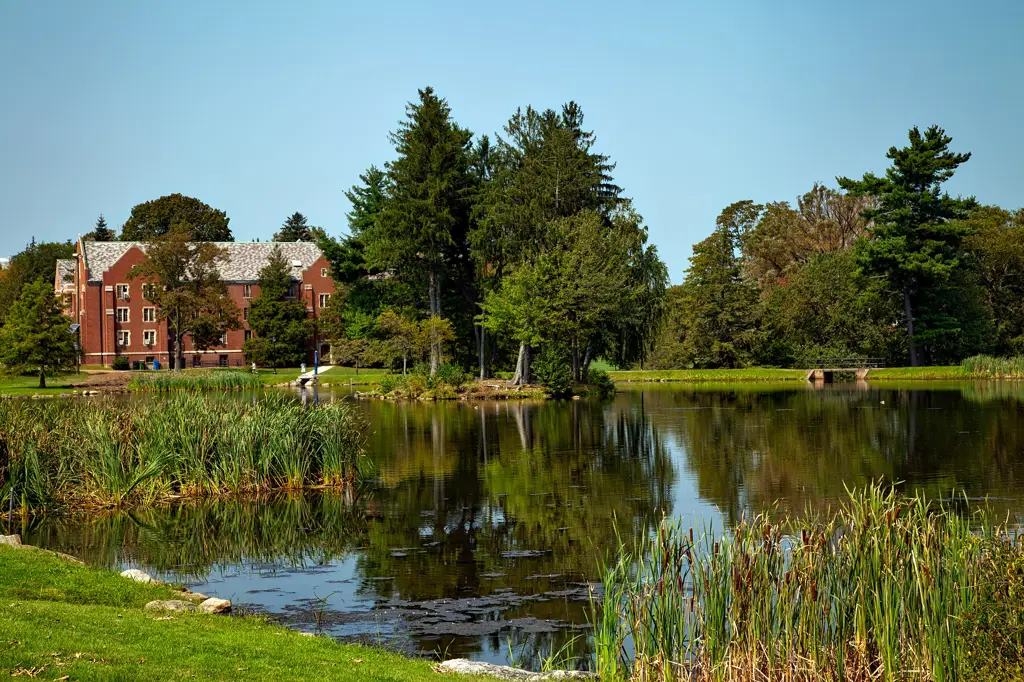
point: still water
(483, 529)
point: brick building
(116, 320)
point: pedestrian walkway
(311, 375)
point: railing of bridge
(848, 363)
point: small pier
(312, 376)
(824, 370)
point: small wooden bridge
(824, 370)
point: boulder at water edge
(11, 540)
(214, 605)
(503, 672)
(137, 575)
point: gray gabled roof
(66, 271)
(245, 259)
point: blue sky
(262, 109)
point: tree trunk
(909, 311)
(522, 375)
(405, 360)
(576, 360)
(435, 350)
(585, 367)
(42, 378)
(481, 339)
(179, 353)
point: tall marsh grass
(886, 588)
(111, 453)
(196, 380)
(986, 365)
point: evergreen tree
(101, 233)
(37, 336)
(915, 228)
(718, 303)
(156, 218)
(294, 229)
(421, 237)
(281, 330)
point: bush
(599, 381)
(120, 362)
(390, 382)
(554, 371)
(453, 375)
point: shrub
(986, 365)
(120, 362)
(599, 381)
(453, 375)
(554, 372)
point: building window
(248, 334)
(121, 291)
(323, 272)
(147, 291)
(124, 338)
(197, 361)
(245, 313)
(222, 360)
(246, 291)
(324, 298)
(123, 315)
(149, 314)
(149, 359)
(291, 291)
(223, 340)
(149, 337)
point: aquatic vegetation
(196, 380)
(886, 587)
(986, 365)
(114, 453)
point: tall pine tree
(294, 229)
(916, 227)
(101, 233)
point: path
(308, 376)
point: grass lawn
(702, 375)
(59, 621)
(898, 373)
(23, 385)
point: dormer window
(246, 291)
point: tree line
(890, 267)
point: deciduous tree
(187, 289)
(158, 217)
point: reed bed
(196, 380)
(886, 588)
(989, 366)
(117, 453)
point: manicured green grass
(60, 619)
(702, 375)
(24, 385)
(930, 373)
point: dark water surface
(482, 533)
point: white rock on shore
(137, 575)
(11, 540)
(214, 605)
(503, 672)
(170, 605)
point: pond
(483, 529)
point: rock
(214, 605)
(68, 557)
(170, 605)
(11, 540)
(137, 575)
(191, 596)
(503, 672)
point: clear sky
(265, 108)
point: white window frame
(245, 314)
(323, 272)
(122, 292)
(149, 337)
(324, 299)
(223, 340)
(246, 291)
(124, 338)
(127, 315)
(149, 314)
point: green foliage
(37, 262)
(996, 243)
(37, 336)
(162, 216)
(280, 327)
(916, 228)
(194, 380)
(553, 370)
(600, 381)
(101, 233)
(117, 453)
(294, 229)
(120, 362)
(884, 583)
(988, 366)
(191, 296)
(452, 375)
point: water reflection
(487, 520)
